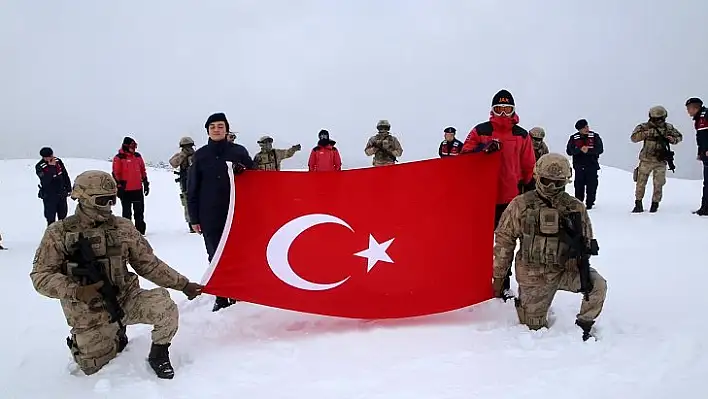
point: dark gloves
(239, 168)
(492, 146)
(192, 290)
(40, 194)
(88, 293)
(121, 188)
(146, 187)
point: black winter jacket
(54, 179)
(209, 186)
(585, 160)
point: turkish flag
(395, 241)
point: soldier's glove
(88, 293)
(121, 188)
(493, 146)
(498, 287)
(192, 290)
(146, 187)
(239, 168)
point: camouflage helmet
(93, 184)
(553, 166)
(383, 123)
(265, 139)
(537, 133)
(186, 141)
(658, 112)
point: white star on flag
(376, 252)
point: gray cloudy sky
(79, 75)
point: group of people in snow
(532, 207)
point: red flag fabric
(396, 241)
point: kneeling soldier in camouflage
(81, 261)
(556, 241)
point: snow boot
(222, 303)
(589, 206)
(159, 360)
(638, 207)
(702, 211)
(654, 207)
(586, 326)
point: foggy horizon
(79, 76)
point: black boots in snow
(159, 360)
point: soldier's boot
(586, 327)
(159, 360)
(221, 303)
(638, 207)
(702, 212)
(654, 207)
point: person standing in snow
(539, 146)
(209, 186)
(384, 146)
(585, 146)
(54, 187)
(325, 156)
(182, 161)
(699, 113)
(450, 146)
(133, 186)
(655, 134)
(95, 338)
(502, 133)
(544, 263)
(269, 158)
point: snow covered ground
(652, 331)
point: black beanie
(503, 98)
(581, 124)
(323, 134)
(217, 117)
(694, 100)
(128, 141)
(46, 152)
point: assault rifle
(385, 151)
(85, 265)
(572, 235)
(667, 155)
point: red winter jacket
(325, 158)
(129, 169)
(517, 156)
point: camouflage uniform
(269, 158)
(539, 146)
(115, 241)
(652, 156)
(383, 146)
(542, 263)
(182, 161)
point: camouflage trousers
(94, 347)
(646, 168)
(183, 200)
(536, 295)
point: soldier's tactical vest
(184, 172)
(107, 247)
(268, 160)
(383, 157)
(540, 243)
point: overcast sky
(80, 75)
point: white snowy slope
(652, 332)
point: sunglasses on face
(105, 200)
(505, 110)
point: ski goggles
(503, 110)
(553, 183)
(104, 200)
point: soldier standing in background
(269, 158)
(182, 161)
(55, 185)
(384, 146)
(450, 146)
(96, 338)
(539, 146)
(699, 113)
(656, 135)
(544, 263)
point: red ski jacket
(517, 156)
(324, 158)
(129, 170)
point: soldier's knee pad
(91, 363)
(532, 321)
